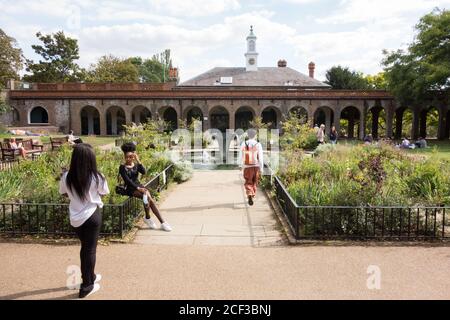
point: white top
(251, 143)
(81, 211)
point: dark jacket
(130, 176)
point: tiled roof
(264, 77)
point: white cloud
(194, 8)
(352, 11)
(203, 34)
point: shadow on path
(29, 294)
(216, 206)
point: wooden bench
(57, 143)
(9, 154)
(32, 148)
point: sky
(203, 34)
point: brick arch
(300, 111)
(325, 115)
(38, 115)
(377, 113)
(399, 121)
(141, 114)
(169, 114)
(272, 114)
(426, 121)
(349, 119)
(243, 116)
(219, 118)
(89, 120)
(115, 120)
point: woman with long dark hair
(129, 171)
(85, 185)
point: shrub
(366, 175)
(183, 171)
(298, 135)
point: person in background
(85, 186)
(421, 143)
(18, 146)
(321, 134)
(368, 139)
(333, 135)
(129, 171)
(251, 161)
(316, 128)
(405, 144)
(72, 139)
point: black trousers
(88, 234)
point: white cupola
(251, 56)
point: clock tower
(251, 56)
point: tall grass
(367, 175)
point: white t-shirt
(81, 211)
(251, 143)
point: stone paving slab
(211, 210)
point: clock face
(251, 61)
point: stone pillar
(232, 121)
(398, 124)
(389, 122)
(129, 116)
(362, 124)
(103, 126)
(311, 119)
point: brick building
(223, 98)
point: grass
(92, 140)
(440, 149)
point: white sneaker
(166, 227)
(98, 278)
(94, 290)
(151, 224)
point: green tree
(377, 82)
(418, 73)
(11, 61)
(165, 60)
(150, 70)
(112, 69)
(59, 54)
(340, 78)
(4, 107)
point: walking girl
(85, 186)
(129, 171)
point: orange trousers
(251, 176)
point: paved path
(221, 249)
(211, 209)
(212, 272)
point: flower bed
(366, 192)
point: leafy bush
(366, 175)
(183, 171)
(298, 135)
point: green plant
(298, 135)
